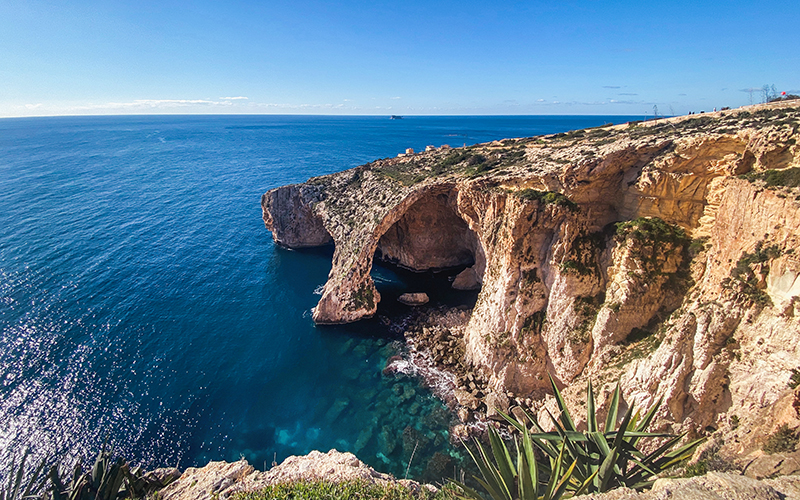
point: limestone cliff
(661, 254)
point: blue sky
(399, 57)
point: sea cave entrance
(430, 249)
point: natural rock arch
(431, 235)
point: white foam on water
(419, 364)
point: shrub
(787, 97)
(782, 440)
(583, 254)
(789, 177)
(650, 235)
(603, 460)
(651, 229)
(697, 245)
(520, 479)
(795, 380)
(697, 469)
(742, 277)
(547, 198)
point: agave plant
(19, 490)
(104, 482)
(610, 458)
(505, 479)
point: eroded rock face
(288, 211)
(693, 298)
(429, 236)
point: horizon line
(313, 114)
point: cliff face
(664, 255)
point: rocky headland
(663, 256)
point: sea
(144, 306)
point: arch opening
(430, 249)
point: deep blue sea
(142, 301)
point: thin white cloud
(395, 98)
(151, 104)
(297, 106)
(33, 106)
(238, 98)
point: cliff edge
(663, 255)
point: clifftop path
(664, 254)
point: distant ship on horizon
(395, 117)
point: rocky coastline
(663, 256)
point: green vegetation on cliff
(789, 177)
(347, 490)
(590, 461)
(108, 479)
(743, 278)
(547, 198)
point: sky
(404, 57)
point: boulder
(467, 280)
(466, 399)
(209, 482)
(414, 299)
(496, 401)
(712, 486)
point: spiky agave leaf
(18, 488)
(565, 418)
(500, 474)
(591, 416)
(604, 460)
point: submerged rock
(336, 409)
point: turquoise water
(142, 301)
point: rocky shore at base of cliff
(435, 341)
